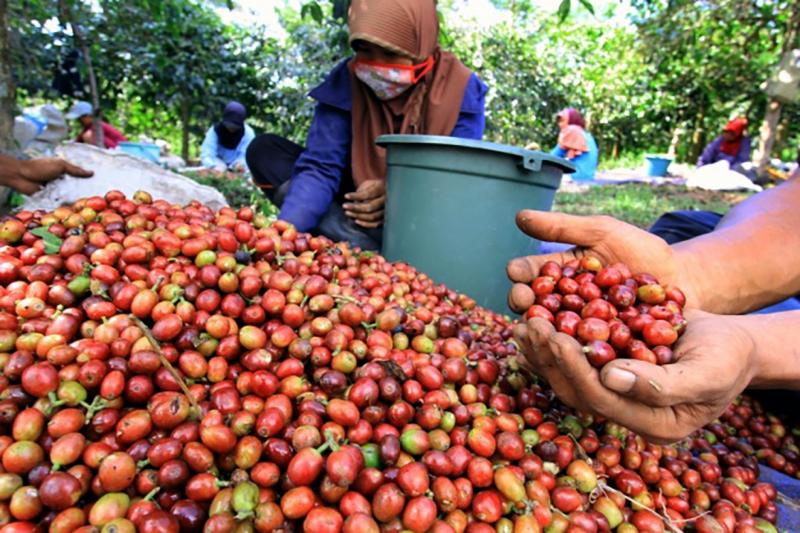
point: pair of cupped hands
(714, 357)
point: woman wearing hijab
(226, 142)
(724, 155)
(399, 81)
(732, 146)
(576, 144)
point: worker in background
(398, 81)
(733, 146)
(82, 112)
(576, 145)
(226, 142)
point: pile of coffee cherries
(168, 368)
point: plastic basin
(657, 165)
(148, 151)
(451, 207)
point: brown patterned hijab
(431, 107)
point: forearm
(10, 170)
(776, 356)
(751, 259)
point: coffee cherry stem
(604, 488)
(196, 411)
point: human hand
(365, 205)
(715, 361)
(610, 240)
(32, 173)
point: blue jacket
(586, 163)
(211, 149)
(323, 169)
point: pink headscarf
(572, 137)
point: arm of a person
(744, 152)
(559, 152)
(208, 150)
(750, 260)
(472, 116)
(241, 150)
(318, 172)
(709, 154)
(112, 133)
(28, 176)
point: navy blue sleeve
(710, 153)
(472, 117)
(744, 152)
(318, 172)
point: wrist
(775, 361)
(689, 278)
(10, 170)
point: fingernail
(619, 380)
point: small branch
(165, 362)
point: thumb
(655, 385)
(74, 170)
(560, 227)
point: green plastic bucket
(451, 207)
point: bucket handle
(531, 162)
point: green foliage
(238, 190)
(52, 243)
(706, 61)
(166, 68)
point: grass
(625, 160)
(641, 204)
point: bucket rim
(443, 140)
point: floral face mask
(389, 81)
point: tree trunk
(698, 137)
(97, 115)
(767, 136)
(7, 86)
(782, 134)
(185, 117)
(676, 139)
(773, 116)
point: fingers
(585, 379)
(525, 269)
(376, 216)
(520, 297)
(25, 186)
(559, 227)
(365, 207)
(656, 385)
(78, 172)
(368, 190)
(369, 225)
(533, 338)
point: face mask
(388, 81)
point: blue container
(657, 165)
(148, 151)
